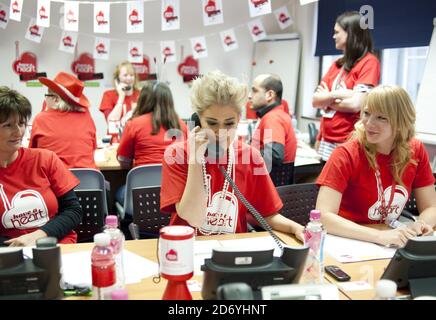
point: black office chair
(92, 203)
(313, 132)
(282, 175)
(298, 200)
(147, 217)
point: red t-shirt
(250, 175)
(29, 189)
(348, 172)
(251, 114)
(139, 144)
(281, 131)
(367, 72)
(110, 98)
(71, 135)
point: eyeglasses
(49, 95)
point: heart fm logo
(84, 64)
(134, 52)
(171, 255)
(142, 69)
(3, 16)
(70, 17)
(101, 49)
(283, 18)
(228, 40)
(258, 3)
(15, 8)
(34, 31)
(42, 14)
(26, 64)
(211, 9)
(134, 18)
(68, 41)
(189, 67)
(198, 48)
(256, 31)
(100, 18)
(169, 14)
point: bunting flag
(71, 16)
(43, 13)
(68, 42)
(283, 17)
(199, 48)
(170, 15)
(101, 48)
(212, 12)
(34, 32)
(303, 2)
(135, 51)
(101, 17)
(15, 10)
(228, 40)
(168, 51)
(135, 17)
(4, 16)
(259, 7)
(257, 30)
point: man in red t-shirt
(274, 136)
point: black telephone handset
(196, 119)
(126, 88)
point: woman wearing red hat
(66, 127)
(37, 196)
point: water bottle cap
(112, 220)
(102, 239)
(119, 294)
(315, 214)
(386, 288)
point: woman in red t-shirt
(36, 190)
(116, 103)
(194, 190)
(369, 179)
(341, 90)
(67, 107)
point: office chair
(91, 193)
(298, 200)
(282, 175)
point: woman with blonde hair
(116, 103)
(370, 178)
(194, 190)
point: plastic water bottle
(385, 290)
(314, 235)
(103, 267)
(117, 244)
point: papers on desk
(76, 267)
(348, 250)
(306, 155)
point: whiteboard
(280, 55)
(426, 100)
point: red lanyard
(384, 208)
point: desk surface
(370, 271)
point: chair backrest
(298, 200)
(138, 177)
(313, 132)
(92, 222)
(91, 179)
(282, 175)
(146, 211)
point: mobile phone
(337, 273)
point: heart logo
(198, 48)
(228, 40)
(171, 255)
(100, 18)
(169, 14)
(134, 17)
(256, 31)
(70, 17)
(142, 69)
(15, 7)
(27, 210)
(258, 3)
(134, 52)
(84, 64)
(34, 31)
(211, 9)
(167, 52)
(101, 49)
(283, 18)
(42, 14)
(26, 64)
(3, 15)
(68, 41)
(189, 67)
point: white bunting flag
(168, 51)
(135, 51)
(212, 12)
(228, 40)
(257, 30)
(259, 7)
(15, 10)
(101, 17)
(43, 13)
(71, 16)
(34, 32)
(283, 17)
(170, 15)
(68, 42)
(135, 17)
(304, 2)
(199, 48)
(102, 48)
(4, 16)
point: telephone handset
(213, 148)
(126, 88)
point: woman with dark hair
(341, 90)
(152, 128)
(37, 196)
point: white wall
(51, 60)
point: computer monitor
(415, 266)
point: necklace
(223, 193)
(384, 207)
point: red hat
(68, 87)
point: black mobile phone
(337, 273)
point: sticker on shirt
(221, 214)
(399, 201)
(26, 210)
(328, 114)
